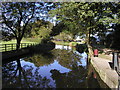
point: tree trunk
(20, 71)
(18, 44)
(88, 38)
(88, 43)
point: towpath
(107, 74)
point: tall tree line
(88, 18)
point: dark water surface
(59, 68)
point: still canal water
(60, 68)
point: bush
(81, 48)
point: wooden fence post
(5, 48)
(12, 46)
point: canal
(62, 67)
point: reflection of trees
(72, 79)
(41, 59)
(67, 58)
(75, 78)
(92, 81)
(15, 76)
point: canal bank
(43, 48)
(109, 76)
(103, 68)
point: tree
(56, 30)
(113, 39)
(88, 18)
(42, 29)
(6, 36)
(64, 36)
(45, 30)
(17, 15)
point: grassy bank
(66, 43)
(61, 43)
(11, 45)
(108, 57)
(14, 41)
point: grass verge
(108, 57)
(61, 43)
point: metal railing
(10, 47)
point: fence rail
(10, 47)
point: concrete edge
(111, 84)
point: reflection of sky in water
(62, 47)
(84, 55)
(83, 59)
(44, 71)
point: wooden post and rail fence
(10, 47)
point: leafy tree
(6, 36)
(76, 15)
(45, 30)
(116, 37)
(42, 29)
(113, 39)
(64, 36)
(17, 15)
(58, 29)
(89, 17)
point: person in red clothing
(96, 53)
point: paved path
(107, 74)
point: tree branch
(4, 18)
(24, 28)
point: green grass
(61, 43)
(67, 43)
(105, 56)
(35, 40)
(14, 41)
(10, 47)
(8, 42)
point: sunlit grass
(14, 41)
(61, 43)
(11, 45)
(67, 43)
(105, 56)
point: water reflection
(42, 59)
(72, 79)
(56, 69)
(16, 76)
(63, 47)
